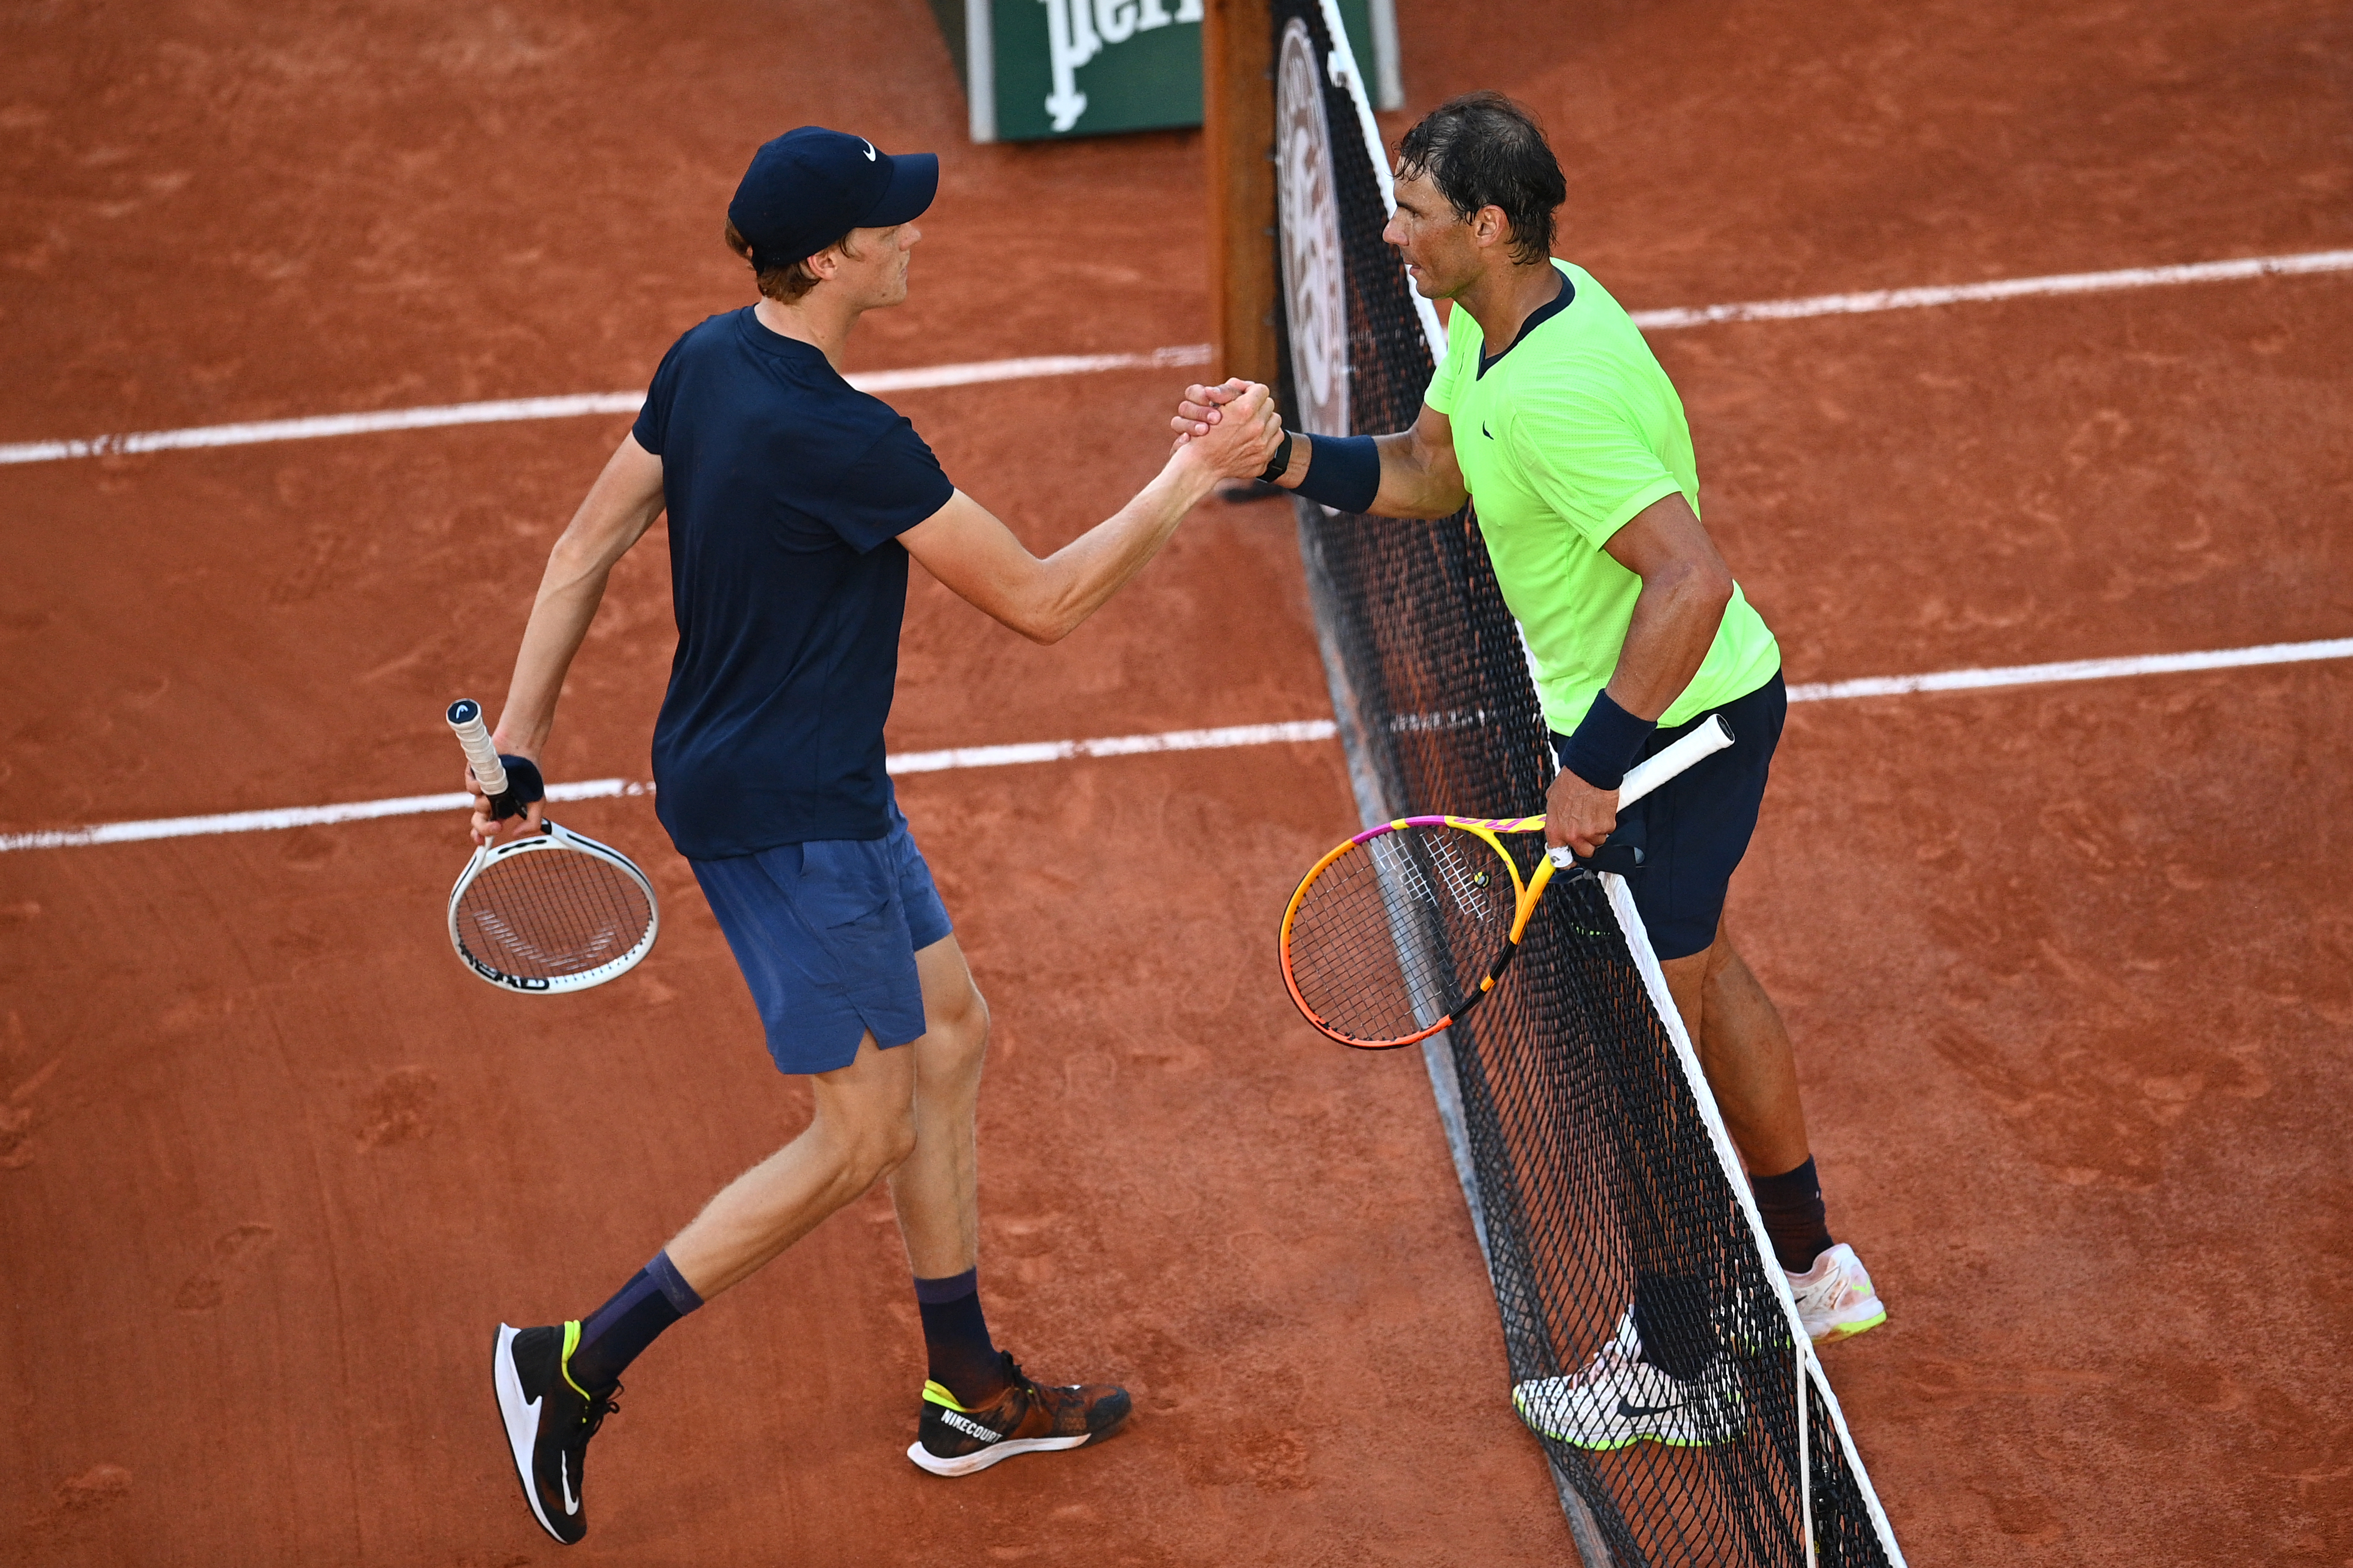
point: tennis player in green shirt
(1551, 415)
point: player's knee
(884, 1146)
(959, 1036)
(895, 1155)
(865, 1142)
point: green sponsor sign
(1038, 70)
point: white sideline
(1298, 730)
(581, 403)
(577, 406)
(595, 789)
(1112, 746)
(2072, 669)
(2003, 289)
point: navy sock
(614, 1335)
(1670, 1318)
(956, 1334)
(1791, 1203)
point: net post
(1237, 146)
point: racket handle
(1651, 772)
(465, 718)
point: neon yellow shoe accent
(1848, 1331)
(570, 1343)
(937, 1393)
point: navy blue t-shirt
(787, 489)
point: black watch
(1281, 461)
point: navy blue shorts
(826, 933)
(1693, 829)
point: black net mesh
(550, 913)
(1611, 1221)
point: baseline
(976, 373)
(573, 406)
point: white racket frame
(555, 838)
(483, 758)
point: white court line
(594, 789)
(1307, 730)
(577, 406)
(971, 375)
(2072, 669)
(1112, 746)
(2004, 289)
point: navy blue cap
(809, 187)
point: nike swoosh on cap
(870, 149)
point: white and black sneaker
(549, 1420)
(1618, 1398)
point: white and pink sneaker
(1835, 1301)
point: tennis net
(1609, 1201)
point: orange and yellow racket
(1401, 930)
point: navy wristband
(525, 781)
(525, 785)
(1344, 472)
(1608, 741)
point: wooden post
(1238, 141)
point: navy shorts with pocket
(826, 933)
(1693, 829)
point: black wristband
(1281, 461)
(1608, 741)
(525, 781)
(1344, 472)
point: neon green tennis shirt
(1562, 441)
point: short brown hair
(784, 284)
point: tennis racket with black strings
(553, 910)
(1402, 930)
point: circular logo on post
(1315, 287)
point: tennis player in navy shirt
(794, 502)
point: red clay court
(2070, 966)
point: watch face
(1315, 288)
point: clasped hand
(1203, 407)
(1235, 423)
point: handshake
(1234, 429)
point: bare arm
(1685, 587)
(969, 550)
(620, 506)
(1419, 477)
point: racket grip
(465, 718)
(1651, 772)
